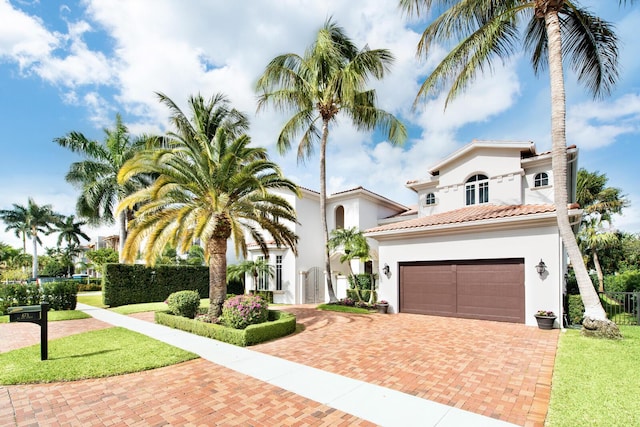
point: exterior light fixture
(386, 270)
(541, 267)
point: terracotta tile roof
(467, 214)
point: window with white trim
(263, 279)
(278, 272)
(477, 190)
(541, 179)
(430, 199)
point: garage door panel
(490, 289)
(428, 289)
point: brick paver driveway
(497, 369)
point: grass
(91, 298)
(343, 308)
(596, 382)
(94, 354)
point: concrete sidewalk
(373, 403)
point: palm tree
(16, 219)
(592, 238)
(256, 268)
(38, 219)
(70, 231)
(351, 243)
(599, 203)
(329, 79)
(96, 176)
(211, 186)
(485, 29)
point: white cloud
(598, 124)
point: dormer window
(430, 199)
(477, 190)
(541, 179)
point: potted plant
(382, 306)
(545, 319)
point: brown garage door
(483, 289)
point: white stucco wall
(531, 243)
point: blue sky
(72, 65)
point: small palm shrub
(184, 303)
(243, 310)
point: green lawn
(94, 354)
(343, 308)
(596, 382)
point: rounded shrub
(184, 303)
(243, 310)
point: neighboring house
(484, 222)
(301, 279)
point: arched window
(477, 190)
(541, 179)
(430, 199)
(340, 217)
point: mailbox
(34, 314)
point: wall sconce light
(541, 267)
(386, 270)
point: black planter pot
(545, 322)
(382, 308)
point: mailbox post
(34, 314)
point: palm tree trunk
(34, 263)
(323, 209)
(122, 223)
(217, 274)
(596, 262)
(594, 313)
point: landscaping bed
(279, 324)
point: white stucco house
(301, 279)
(485, 221)
(471, 247)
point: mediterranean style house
(481, 243)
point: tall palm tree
(329, 79)
(485, 29)
(38, 219)
(96, 176)
(69, 230)
(211, 186)
(16, 220)
(256, 268)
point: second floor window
(278, 272)
(541, 179)
(430, 199)
(477, 190)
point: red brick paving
(500, 370)
(496, 369)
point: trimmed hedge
(279, 325)
(15, 294)
(61, 295)
(576, 309)
(136, 284)
(184, 303)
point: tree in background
(211, 186)
(97, 175)
(16, 219)
(599, 204)
(255, 268)
(483, 30)
(100, 257)
(327, 82)
(38, 220)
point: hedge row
(280, 324)
(627, 281)
(60, 295)
(135, 284)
